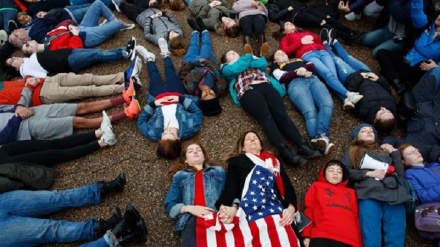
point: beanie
(356, 130)
(210, 107)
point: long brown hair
(358, 149)
(238, 148)
(181, 163)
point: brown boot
(264, 49)
(248, 49)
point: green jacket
(210, 16)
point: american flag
(257, 219)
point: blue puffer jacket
(231, 71)
(425, 47)
(426, 181)
(188, 114)
(423, 127)
(181, 191)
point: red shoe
(133, 109)
(129, 93)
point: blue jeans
(313, 100)
(195, 51)
(77, 12)
(19, 211)
(101, 242)
(89, 27)
(376, 217)
(345, 63)
(82, 58)
(107, 3)
(326, 68)
(381, 39)
(173, 82)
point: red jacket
(10, 92)
(292, 46)
(65, 40)
(333, 211)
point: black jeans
(325, 242)
(265, 105)
(49, 152)
(393, 66)
(188, 235)
(253, 24)
(131, 11)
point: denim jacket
(188, 114)
(181, 192)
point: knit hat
(210, 107)
(356, 130)
(3, 37)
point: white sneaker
(352, 16)
(127, 26)
(117, 3)
(348, 105)
(137, 70)
(320, 141)
(106, 127)
(329, 148)
(163, 45)
(148, 56)
(354, 97)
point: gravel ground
(146, 174)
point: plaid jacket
(191, 76)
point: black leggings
(252, 24)
(49, 152)
(265, 105)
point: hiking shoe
(146, 55)
(324, 35)
(248, 49)
(348, 105)
(133, 70)
(129, 92)
(117, 3)
(353, 16)
(163, 45)
(264, 49)
(354, 97)
(106, 127)
(133, 109)
(320, 141)
(130, 48)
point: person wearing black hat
(200, 74)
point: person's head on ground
(14, 62)
(364, 133)
(230, 27)
(411, 156)
(29, 48)
(18, 37)
(334, 172)
(23, 18)
(230, 57)
(169, 146)
(176, 44)
(154, 4)
(209, 102)
(193, 156)
(280, 56)
(285, 28)
(177, 5)
(364, 138)
(249, 142)
(384, 121)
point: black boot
(192, 24)
(201, 24)
(116, 185)
(399, 86)
(306, 151)
(128, 222)
(290, 157)
(136, 235)
(101, 226)
(248, 40)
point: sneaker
(117, 3)
(248, 49)
(106, 126)
(192, 23)
(320, 141)
(163, 45)
(133, 109)
(332, 36)
(352, 16)
(129, 92)
(329, 148)
(264, 49)
(127, 26)
(200, 24)
(354, 97)
(146, 55)
(137, 84)
(133, 70)
(324, 35)
(130, 48)
(348, 105)
(103, 22)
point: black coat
(376, 94)
(19, 175)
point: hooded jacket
(333, 210)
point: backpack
(427, 220)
